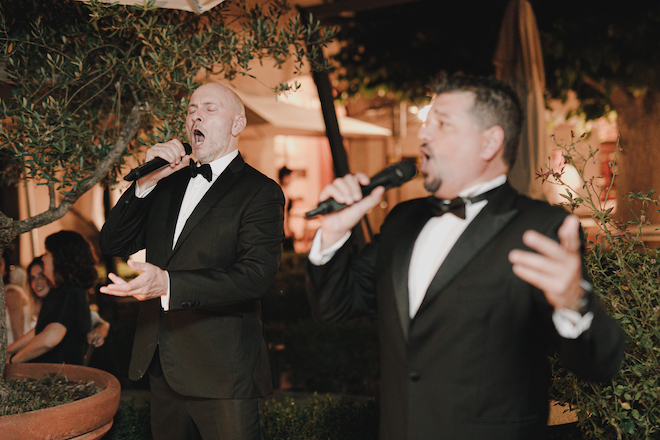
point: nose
(194, 117)
(423, 133)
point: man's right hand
(173, 152)
(346, 190)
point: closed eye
(438, 123)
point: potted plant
(90, 417)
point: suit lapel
(402, 252)
(221, 185)
(482, 230)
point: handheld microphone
(394, 175)
(154, 164)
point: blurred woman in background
(60, 335)
(39, 286)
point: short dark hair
(282, 173)
(495, 103)
(73, 260)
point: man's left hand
(555, 268)
(151, 283)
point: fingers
(172, 151)
(569, 234)
(151, 283)
(119, 286)
(137, 266)
(569, 240)
(95, 339)
(116, 279)
(555, 268)
(346, 189)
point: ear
(239, 124)
(493, 142)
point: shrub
(322, 419)
(334, 357)
(626, 278)
(131, 422)
(319, 356)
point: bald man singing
(212, 228)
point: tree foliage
(400, 48)
(82, 73)
(91, 81)
(593, 47)
(589, 46)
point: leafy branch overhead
(88, 77)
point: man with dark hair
(474, 286)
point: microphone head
(406, 170)
(396, 175)
(187, 147)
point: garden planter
(85, 419)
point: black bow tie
(456, 205)
(440, 207)
(204, 170)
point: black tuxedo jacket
(210, 342)
(473, 362)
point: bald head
(216, 117)
(227, 95)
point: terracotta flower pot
(85, 419)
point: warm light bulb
(423, 112)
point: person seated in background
(39, 286)
(63, 323)
(17, 300)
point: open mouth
(198, 137)
(425, 158)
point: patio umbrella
(518, 61)
(196, 6)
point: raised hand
(346, 190)
(555, 268)
(173, 152)
(152, 282)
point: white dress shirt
(432, 246)
(196, 189)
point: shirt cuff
(570, 324)
(165, 299)
(142, 194)
(318, 257)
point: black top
(68, 306)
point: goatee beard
(433, 185)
